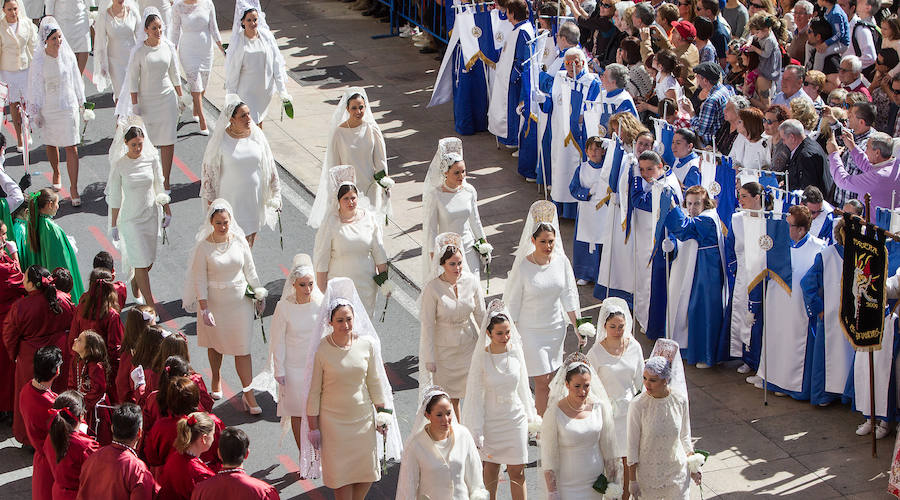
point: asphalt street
(273, 455)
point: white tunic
(425, 473)
(751, 260)
(195, 32)
(622, 377)
(580, 456)
(352, 250)
(225, 270)
(115, 37)
(292, 335)
(74, 20)
(60, 125)
(659, 439)
(363, 148)
(538, 302)
(132, 188)
(154, 73)
(240, 183)
(505, 423)
(458, 213)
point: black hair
(812, 194)
(356, 95)
(52, 31)
(338, 307)
(233, 446)
(175, 366)
(104, 260)
(47, 361)
(237, 107)
(133, 132)
(150, 20)
(217, 211)
(35, 203)
(6, 2)
(615, 314)
(448, 253)
(496, 320)
(62, 279)
(244, 15)
(688, 135)
(543, 226)
(127, 420)
(865, 111)
(346, 188)
(40, 278)
(62, 425)
(821, 27)
(435, 400)
(704, 28)
(579, 369)
(890, 57)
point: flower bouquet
(606, 488)
(383, 418)
(258, 295)
(585, 328)
(387, 288)
(485, 250)
(87, 115)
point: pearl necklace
(576, 410)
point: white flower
(587, 330)
(695, 461)
(386, 182)
(286, 97)
(88, 115)
(614, 490)
(382, 419)
(535, 426)
(485, 248)
(387, 287)
(260, 293)
(163, 199)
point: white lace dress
(195, 33)
(458, 213)
(538, 298)
(622, 377)
(115, 37)
(60, 124)
(659, 439)
(580, 456)
(74, 20)
(239, 181)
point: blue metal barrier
(428, 15)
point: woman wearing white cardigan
(18, 37)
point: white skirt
(543, 349)
(17, 81)
(60, 127)
(160, 114)
(140, 237)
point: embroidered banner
(862, 284)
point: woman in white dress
(349, 242)
(659, 436)
(356, 140)
(134, 193)
(349, 399)
(578, 434)
(499, 409)
(115, 35)
(54, 101)
(75, 20)
(541, 295)
(18, 39)
(238, 166)
(451, 205)
(618, 359)
(292, 334)
(451, 306)
(152, 87)
(219, 272)
(750, 148)
(440, 458)
(253, 52)
(194, 31)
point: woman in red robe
(137, 320)
(11, 289)
(35, 400)
(184, 469)
(39, 319)
(232, 482)
(67, 445)
(182, 399)
(98, 310)
(88, 376)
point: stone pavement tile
(706, 411)
(852, 469)
(784, 478)
(876, 494)
(747, 401)
(732, 445)
(812, 430)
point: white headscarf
(189, 300)
(320, 206)
(474, 403)
(117, 150)
(612, 305)
(124, 106)
(341, 291)
(71, 86)
(270, 184)
(301, 266)
(234, 56)
(102, 80)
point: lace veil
(234, 56)
(670, 350)
(610, 306)
(341, 291)
(71, 86)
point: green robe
(5, 215)
(19, 234)
(56, 251)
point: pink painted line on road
(104, 242)
(62, 191)
(307, 485)
(284, 270)
(185, 170)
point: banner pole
(668, 315)
(765, 351)
(868, 200)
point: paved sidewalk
(785, 449)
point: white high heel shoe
(253, 410)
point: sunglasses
(895, 91)
(684, 4)
(768, 121)
(807, 83)
(607, 5)
(758, 6)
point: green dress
(20, 236)
(56, 251)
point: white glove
(540, 97)
(315, 439)
(431, 367)
(114, 233)
(280, 380)
(260, 306)
(668, 245)
(135, 109)
(181, 106)
(208, 318)
(634, 489)
(11, 247)
(479, 441)
(167, 219)
(137, 376)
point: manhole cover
(324, 75)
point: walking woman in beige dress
(219, 271)
(349, 402)
(451, 308)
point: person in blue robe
(506, 108)
(586, 260)
(687, 164)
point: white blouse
(426, 474)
